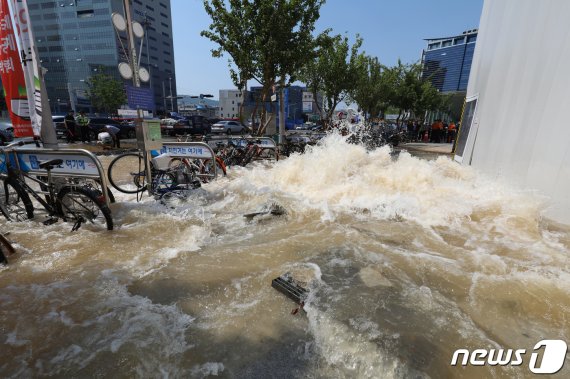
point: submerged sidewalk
(420, 149)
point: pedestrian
(451, 132)
(436, 129)
(83, 122)
(114, 132)
(70, 127)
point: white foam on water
(352, 354)
(337, 177)
(112, 321)
(207, 369)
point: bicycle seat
(48, 165)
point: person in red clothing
(436, 129)
(451, 131)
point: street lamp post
(171, 100)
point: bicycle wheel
(164, 181)
(127, 174)
(78, 205)
(247, 157)
(268, 154)
(207, 168)
(15, 204)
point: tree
(267, 40)
(333, 72)
(106, 93)
(231, 29)
(376, 85)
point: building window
(432, 46)
(472, 38)
(459, 41)
(446, 43)
(162, 5)
(85, 13)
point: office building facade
(76, 39)
(229, 103)
(447, 61)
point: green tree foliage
(334, 72)
(400, 87)
(106, 93)
(267, 40)
(375, 86)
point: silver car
(228, 127)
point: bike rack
(191, 150)
(266, 142)
(77, 163)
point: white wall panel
(521, 73)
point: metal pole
(171, 103)
(164, 95)
(281, 115)
(137, 83)
(132, 49)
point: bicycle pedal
(50, 221)
(77, 224)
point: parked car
(96, 126)
(228, 127)
(60, 130)
(172, 127)
(199, 125)
(6, 131)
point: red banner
(13, 76)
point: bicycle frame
(78, 164)
(50, 207)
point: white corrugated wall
(521, 75)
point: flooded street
(406, 259)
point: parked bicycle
(127, 174)
(72, 201)
(244, 152)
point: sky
(391, 30)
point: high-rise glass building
(447, 61)
(76, 38)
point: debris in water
(292, 289)
(6, 249)
(273, 209)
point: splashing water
(407, 260)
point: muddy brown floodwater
(406, 260)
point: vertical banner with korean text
(12, 76)
(31, 67)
